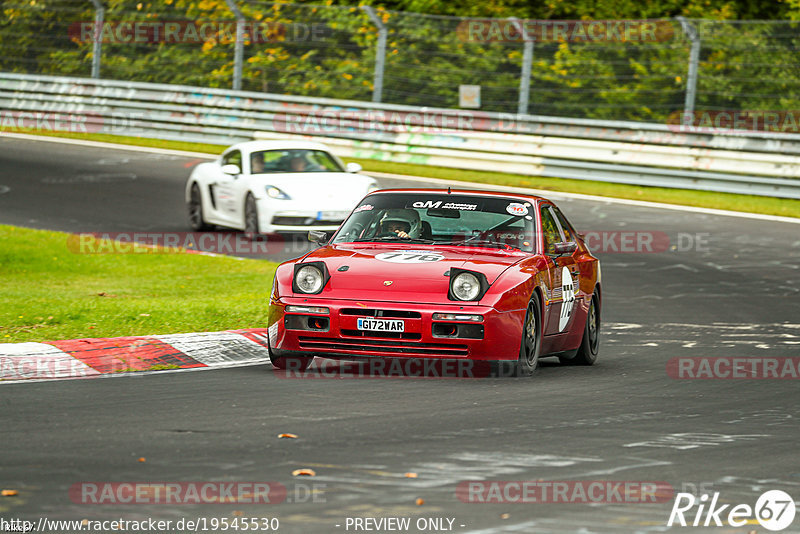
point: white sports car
(275, 186)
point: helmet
(406, 216)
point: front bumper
(496, 337)
(287, 217)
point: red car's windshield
(435, 218)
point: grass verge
(48, 292)
(686, 197)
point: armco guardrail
(759, 163)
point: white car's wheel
(195, 208)
(251, 217)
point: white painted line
(114, 146)
(510, 189)
(31, 361)
(217, 348)
(578, 196)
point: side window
(323, 161)
(569, 231)
(234, 157)
(550, 232)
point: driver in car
(257, 163)
(297, 164)
(405, 223)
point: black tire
(251, 217)
(590, 344)
(195, 208)
(530, 344)
(289, 363)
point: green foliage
(49, 290)
(329, 51)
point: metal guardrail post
(380, 53)
(525, 75)
(97, 47)
(694, 58)
(238, 50)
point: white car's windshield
(296, 160)
(436, 218)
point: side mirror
(565, 248)
(353, 167)
(318, 237)
(230, 168)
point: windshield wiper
(468, 242)
(395, 238)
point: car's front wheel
(195, 208)
(251, 217)
(530, 344)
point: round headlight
(309, 279)
(466, 286)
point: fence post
(238, 47)
(380, 53)
(694, 58)
(527, 59)
(97, 47)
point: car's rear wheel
(195, 208)
(590, 345)
(289, 363)
(251, 217)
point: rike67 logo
(774, 510)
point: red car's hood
(366, 276)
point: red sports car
(418, 273)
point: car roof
(468, 192)
(256, 146)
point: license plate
(381, 325)
(332, 215)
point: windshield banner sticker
(442, 205)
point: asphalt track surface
(623, 419)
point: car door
(224, 187)
(562, 274)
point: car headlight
(274, 192)
(466, 286)
(310, 278)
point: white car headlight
(274, 192)
(309, 279)
(466, 286)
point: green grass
(703, 199)
(48, 292)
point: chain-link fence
(634, 70)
